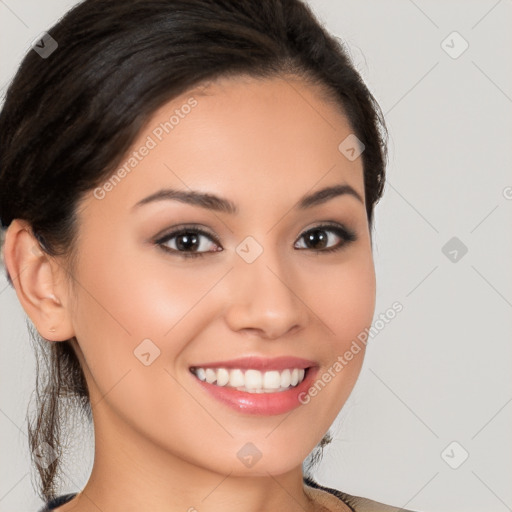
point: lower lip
(265, 404)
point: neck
(131, 473)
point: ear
(39, 281)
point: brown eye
(317, 239)
(326, 238)
(188, 242)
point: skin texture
(161, 442)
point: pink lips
(264, 404)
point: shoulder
(359, 504)
(356, 503)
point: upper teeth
(252, 381)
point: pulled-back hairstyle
(68, 119)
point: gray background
(439, 372)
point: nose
(264, 299)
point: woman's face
(266, 271)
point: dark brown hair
(68, 119)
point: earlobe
(38, 282)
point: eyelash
(342, 232)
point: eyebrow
(219, 204)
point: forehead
(250, 138)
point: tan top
(339, 501)
(331, 499)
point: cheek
(140, 293)
(134, 304)
(133, 322)
(343, 297)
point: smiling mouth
(251, 380)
